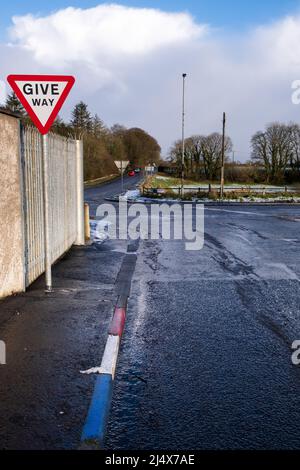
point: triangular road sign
(42, 96)
(121, 165)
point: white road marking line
(235, 212)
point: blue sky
(227, 14)
(128, 63)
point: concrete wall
(12, 277)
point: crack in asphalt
(152, 258)
(248, 230)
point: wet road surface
(205, 361)
(96, 195)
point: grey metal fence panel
(62, 193)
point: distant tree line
(275, 156)
(102, 145)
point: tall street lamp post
(183, 140)
(223, 157)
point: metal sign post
(122, 177)
(47, 235)
(122, 165)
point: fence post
(87, 229)
(80, 239)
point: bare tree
(175, 154)
(195, 152)
(295, 147)
(273, 149)
(211, 151)
(201, 153)
(191, 155)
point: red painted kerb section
(118, 322)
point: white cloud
(280, 42)
(105, 32)
(128, 64)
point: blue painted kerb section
(96, 421)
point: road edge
(99, 181)
(204, 203)
(94, 430)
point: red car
(131, 173)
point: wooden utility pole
(223, 156)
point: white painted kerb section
(110, 356)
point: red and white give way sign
(42, 96)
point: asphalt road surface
(96, 195)
(205, 361)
